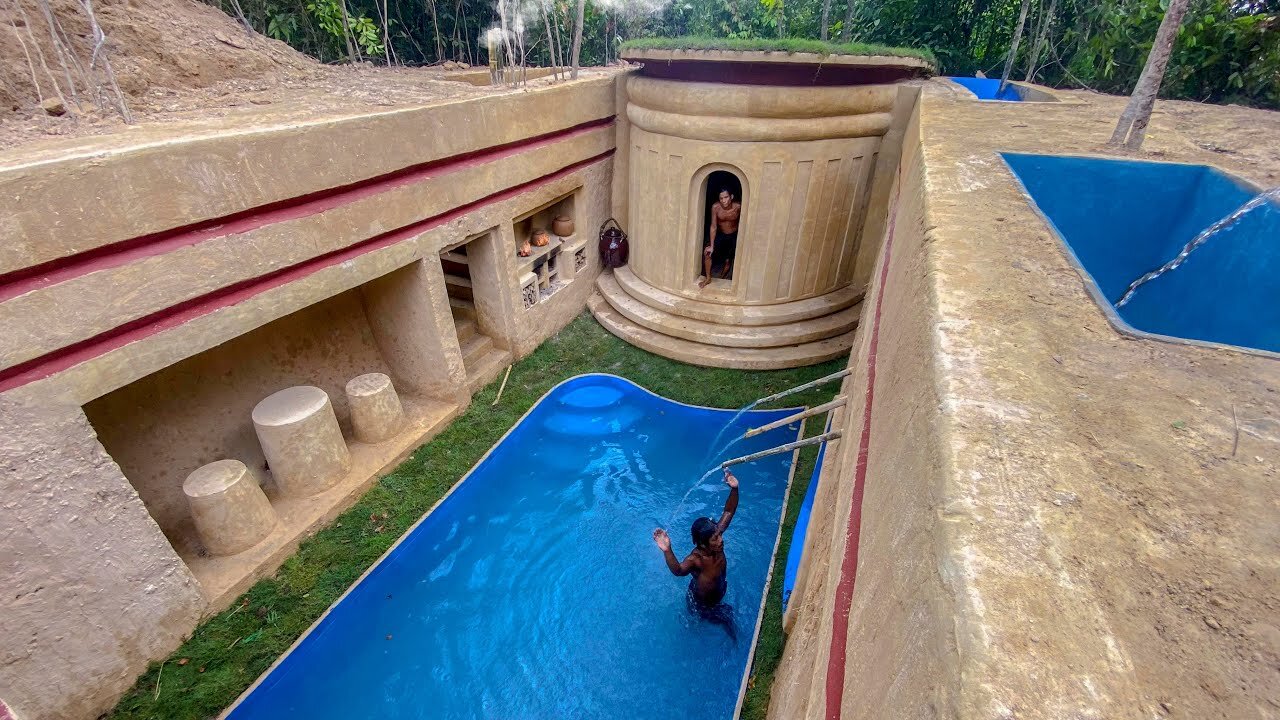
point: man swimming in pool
(707, 562)
(722, 237)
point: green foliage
(1227, 50)
(364, 32)
(786, 45)
(229, 651)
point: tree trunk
(551, 45)
(1013, 46)
(846, 32)
(1042, 35)
(555, 20)
(433, 11)
(352, 48)
(826, 19)
(386, 30)
(782, 18)
(577, 38)
(1133, 122)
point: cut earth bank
(1056, 520)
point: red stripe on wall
(853, 531)
(63, 269)
(62, 359)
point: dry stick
(159, 674)
(1235, 444)
(58, 48)
(26, 23)
(551, 48)
(35, 80)
(502, 387)
(100, 39)
(1042, 36)
(555, 20)
(435, 27)
(248, 29)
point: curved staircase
(747, 337)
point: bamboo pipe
(810, 412)
(833, 435)
(806, 386)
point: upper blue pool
(1123, 218)
(534, 590)
(988, 88)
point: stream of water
(1272, 195)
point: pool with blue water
(534, 589)
(989, 88)
(1122, 218)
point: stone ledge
(777, 314)
(714, 333)
(695, 353)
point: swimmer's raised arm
(677, 568)
(730, 505)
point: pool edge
(409, 531)
(768, 578)
(1119, 324)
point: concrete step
(486, 368)
(465, 327)
(457, 286)
(474, 347)
(696, 353)
(462, 308)
(714, 333)
(454, 257)
(779, 314)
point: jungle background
(1227, 51)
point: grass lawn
(786, 45)
(229, 651)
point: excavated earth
(1125, 517)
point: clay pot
(540, 238)
(525, 249)
(562, 226)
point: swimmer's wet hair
(703, 529)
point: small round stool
(376, 414)
(301, 439)
(230, 511)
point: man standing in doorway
(722, 237)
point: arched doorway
(724, 254)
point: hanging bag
(613, 244)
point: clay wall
(167, 287)
(897, 658)
(807, 158)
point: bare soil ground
(1140, 476)
(181, 63)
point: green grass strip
(227, 652)
(786, 45)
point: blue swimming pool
(534, 590)
(1122, 218)
(988, 88)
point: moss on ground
(227, 652)
(786, 45)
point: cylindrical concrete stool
(376, 414)
(230, 510)
(302, 441)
